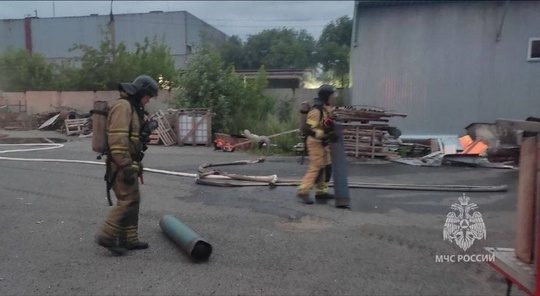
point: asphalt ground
(264, 241)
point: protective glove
(319, 134)
(130, 174)
(328, 124)
(332, 137)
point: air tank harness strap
(110, 176)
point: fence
(43, 102)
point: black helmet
(145, 85)
(325, 91)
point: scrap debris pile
(68, 121)
(230, 143)
(484, 145)
(71, 123)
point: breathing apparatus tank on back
(142, 85)
(99, 126)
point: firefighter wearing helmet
(125, 122)
(320, 125)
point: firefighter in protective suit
(319, 171)
(125, 121)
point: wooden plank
(209, 128)
(369, 154)
(193, 135)
(523, 125)
(164, 130)
(75, 126)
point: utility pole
(53, 10)
(112, 31)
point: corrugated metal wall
(442, 66)
(53, 37)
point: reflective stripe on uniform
(312, 123)
(119, 148)
(118, 130)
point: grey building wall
(11, 34)
(53, 37)
(441, 64)
(171, 26)
(198, 28)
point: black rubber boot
(305, 198)
(325, 196)
(138, 246)
(112, 245)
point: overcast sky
(240, 18)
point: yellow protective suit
(319, 167)
(121, 225)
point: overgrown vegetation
(210, 79)
(292, 49)
(98, 68)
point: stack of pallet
(363, 129)
(164, 131)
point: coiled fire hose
(223, 179)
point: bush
(236, 104)
(272, 125)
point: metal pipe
(340, 169)
(187, 239)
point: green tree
(204, 84)
(232, 52)
(236, 104)
(333, 48)
(22, 71)
(155, 59)
(104, 67)
(280, 49)
(251, 103)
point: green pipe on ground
(188, 240)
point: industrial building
(53, 37)
(447, 64)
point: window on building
(189, 50)
(534, 50)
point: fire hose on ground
(205, 176)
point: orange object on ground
(477, 147)
(465, 142)
(224, 146)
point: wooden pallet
(164, 130)
(154, 139)
(75, 126)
